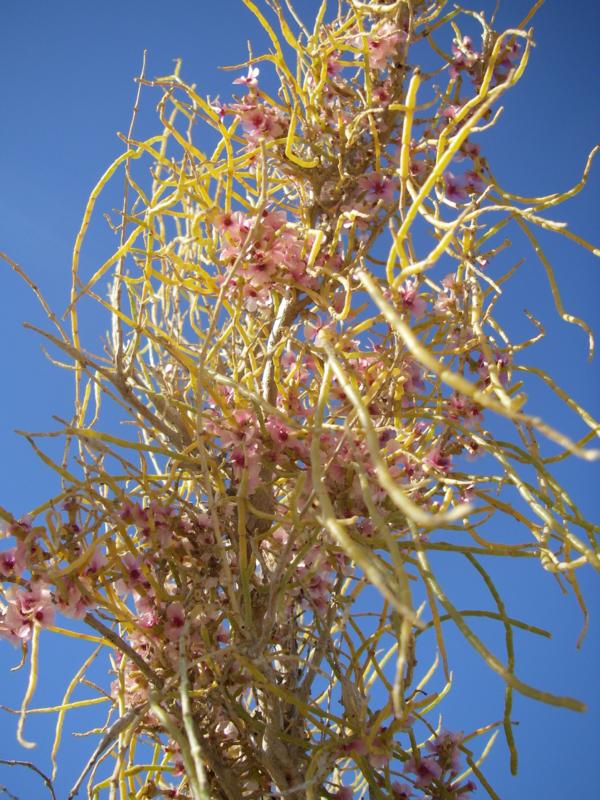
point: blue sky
(66, 72)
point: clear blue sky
(66, 73)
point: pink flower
(470, 149)
(261, 270)
(383, 43)
(418, 168)
(255, 298)
(401, 791)
(175, 621)
(356, 747)
(473, 182)
(344, 793)
(96, 562)
(438, 460)
(445, 748)
(462, 408)
(259, 121)
(234, 224)
(313, 329)
(13, 627)
(133, 513)
(450, 111)
(510, 56)
(413, 377)
(426, 770)
(132, 575)
(455, 187)
(333, 66)
(250, 79)
(278, 431)
(254, 120)
(502, 364)
(378, 187)
(273, 220)
(24, 609)
(218, 107)
(464, 56)
(247, 458)
(71, 602)
(12, 562)
(145, 605)
(411, 300)
(382, 93)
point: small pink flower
(382, 93)
(426, 770)
(259, 121)
(247, 458)
(356, 747)
(461, 407)
(313, 329)
(13, 627)
(438, 460)
(133, 513)
(278, 431)
(273, 220)
(378, 187)
(133, 575)
(401, 791)
(383, 43)
(470, 149)
(175, 621)
(261, 270)
(411, 300)
(455, 187)
(450, 111)
(43, 614)
(250, 79)
(24, 609)
(255, 298)
(473, 182)
(254, 119)
(96, 562)
(218, 107)
(464, 56)
(12, 562)
(71, 602)
(445, 748)
(234, 224)
(507, 63)
(418, 168)
(333, 66)
(413, 377)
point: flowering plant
(306, 409)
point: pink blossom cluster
(464, 57)
(24, 609)
(436, 773)
(382, 42)
(431, 776)
(267, 252)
